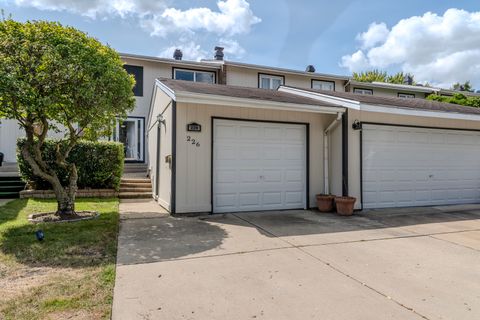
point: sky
(436, 40)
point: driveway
(417, 263)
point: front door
(130, 132)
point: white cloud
(190, 50)
(376, 33)
(440, 49)
(233, 16)
(232, 48)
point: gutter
(326, 153)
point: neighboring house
(221, 148)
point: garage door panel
(439, 166)
(261, 166)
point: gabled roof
(179, 86)
(181, 63)
(348, 99)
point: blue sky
(291, 34)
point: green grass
(79, 258)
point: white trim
(270, 79)
(352, 104)
(169, 92)
(189, 97)
(346, 103)
(419, 113)
(392, 86)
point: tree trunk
(66, 205)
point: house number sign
(194, 127)
(193, 141)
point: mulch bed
(53, 217)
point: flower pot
(325, 202)
(345, 205)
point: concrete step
(135, 195)
(136, 189)
(135, 180)
(136, 185)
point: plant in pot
(345, 205)
(325, 202)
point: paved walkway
(418, 263)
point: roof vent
(177, 55)
(310, 68)
(408, 79)
(219, 53)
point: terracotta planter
(345, 205)
(325, 202)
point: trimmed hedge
(99, 164)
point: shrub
(99, 164)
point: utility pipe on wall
(326, 179)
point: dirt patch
(15, 281)
(53, 217)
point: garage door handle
(430, 175)
(262, 177)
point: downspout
(326, 154)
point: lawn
(70, 274)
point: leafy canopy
(58, 73)
(380, 76)
(466, 86)
(457, 98)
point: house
(222, 148)
(220, 136)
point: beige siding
(384, 92)
(246, 77)
(377, 117)
(162, 183)
(335, 160)
(193, 164)
(151, 71)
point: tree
(466, 86)
(382, 76)
(457, 98)
(55, 78)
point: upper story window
(267, 81)
(406, 95)
(137, 72)
(323, 85)
(194, 75)
(363, 91)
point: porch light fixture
(356, 125)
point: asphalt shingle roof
(394, 102)
(241, 92)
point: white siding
(193, 171)
(162, 183)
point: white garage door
(405, 166)
(258, 166)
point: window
(406, 95)
(266, 81)
(363, 91)
(137, 73)
(194, 75)
(323, 85)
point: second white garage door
(258, 166)
(406, 166)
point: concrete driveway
(417, 263)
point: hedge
(99, 164)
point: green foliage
(59, 73)
(457, 98)
(380, 76)
(99, 164)
(466, 86)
